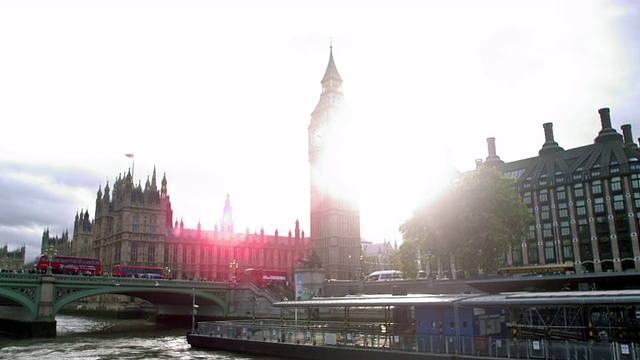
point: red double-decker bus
(264, 277)
(145, 272)
(69, 265)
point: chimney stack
(605, 118)
(628, 136)
(607, 133)
(549, 145)
(548, 132)
(491, 142)
(493, 159)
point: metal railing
(379, 336)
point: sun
(386, 176)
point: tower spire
(331, 79)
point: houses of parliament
(134, 224)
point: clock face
(317, 136)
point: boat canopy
(514, 299)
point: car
(384, 275)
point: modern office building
(586, 201)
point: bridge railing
(381, 337)
(110, 280)
(19, 277)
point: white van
(384, 275)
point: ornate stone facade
(133, 226)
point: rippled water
(89, 338)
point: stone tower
(130, 226)
(334, 216)
(82, 235)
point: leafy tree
(313, 261)
(407, 259)
(474, 223)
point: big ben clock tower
(335, 217)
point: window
(549, 253)
(602, 227)
(526, 198)
(596, 187)
(135, 227)
(578, 191)
(514, 174)
(544, 212)
(616, 184)
(567, 249)
(635, 181)
(547, 232)
(543, 196)
(598, 205)
(581, 209)
(561, 193)
(152, 224)
(563, 212)
(532, 252)
(516, 255)
(565, 230)
(618, 202)
(151, 255)
(134, 252)
(543, 181)
(583, 228)
(532, 232)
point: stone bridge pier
(26, 307)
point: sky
(218, 96)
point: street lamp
(194, 310)
(361, 267)
(253, 309)
(50, 252)
(234, 269)
(350, 268)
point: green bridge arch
(23, 298)
(39, 298)
(137, 292)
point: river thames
(101, 339)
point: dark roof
(555, 298)
(372, 300)
(577, 160)
(332, 70)
(610, 150)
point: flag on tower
(129, 155)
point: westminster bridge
(29, 303)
